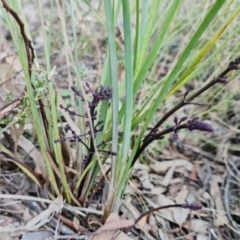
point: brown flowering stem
(234, 65)
(191, 125)
(185, 205)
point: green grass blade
(183, 79)
(143, 11)
(128, 84)
(156, 46)
(114, 79)
(147, 35)
(55, 135)
(137, 38)
(154, 51)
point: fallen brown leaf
(110, 230)
(197, 225)
(194, 172)
(133, 212)
(162, 167)
(114, 222)
(168, 177)
(111, 235)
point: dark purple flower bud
(221, 80)
(175, 136)
(194, 207)
(183, 119)
(60, 140)
(175, 120)
(85, 161)
(233, 65)
(195, 119)
(195, 124)
(108, 152)
(78, 93)
(153, 133)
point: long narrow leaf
(128, 84)
(147, 35)
(183, 80)
(114, 77)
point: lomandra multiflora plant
(156, 133)
(143, 45)
(105, 93)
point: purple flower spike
(175, 137)
(194, 207)
(195, 124)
